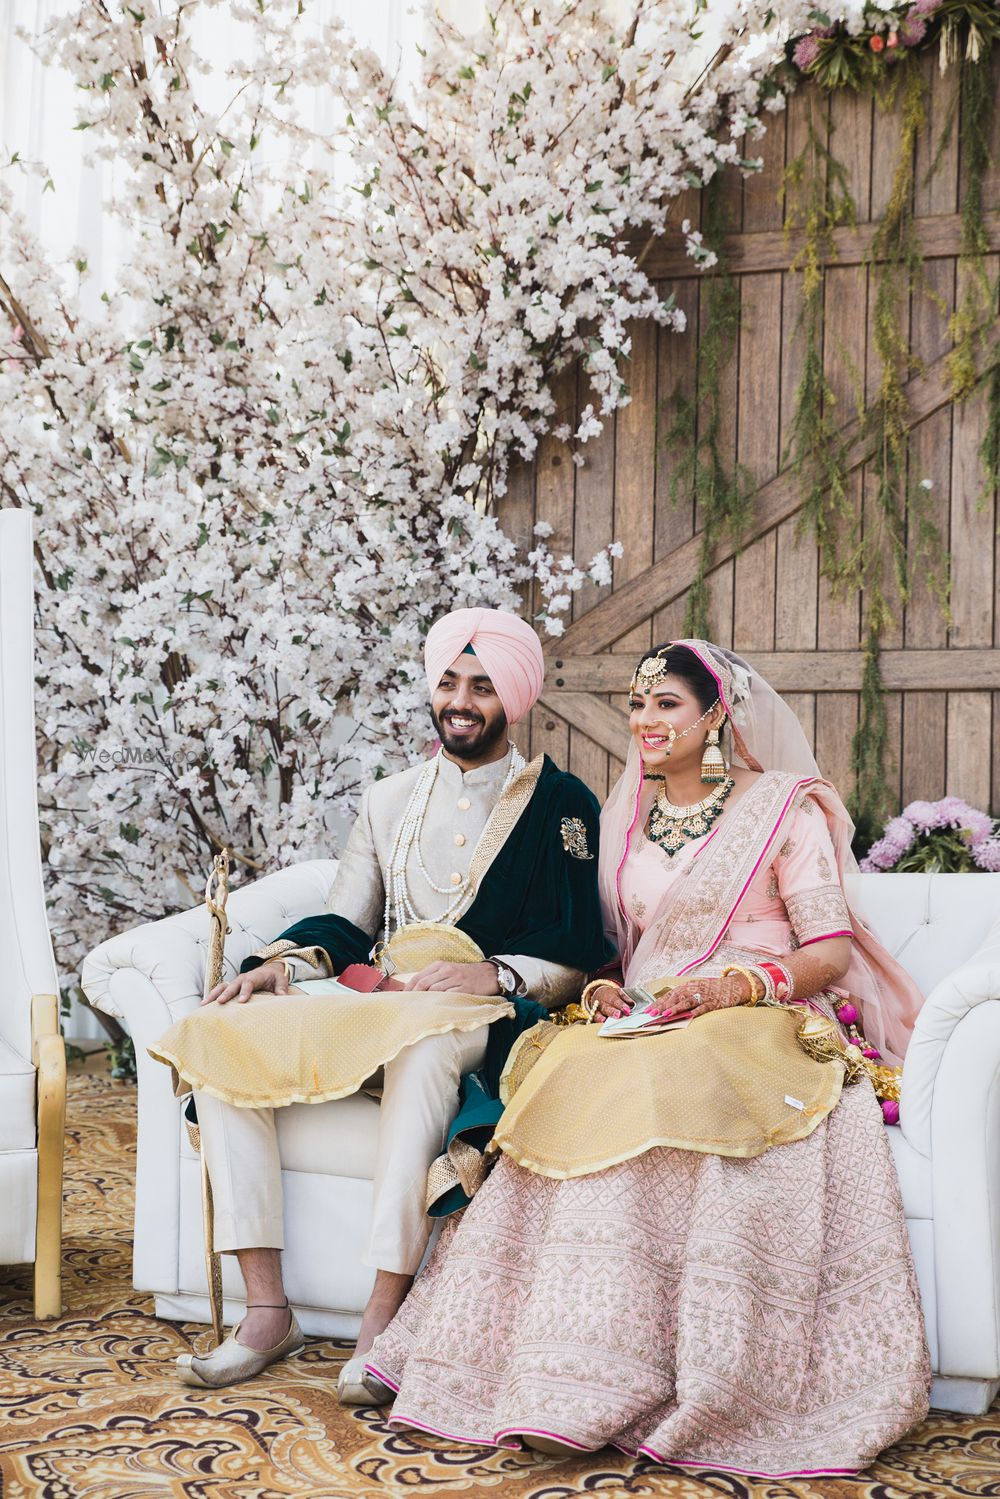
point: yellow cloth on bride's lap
(320, 1041)
(734, 1083)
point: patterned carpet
(89, 1407)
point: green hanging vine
(818, 199)
(816, 189)
(896, 266)
(871, 557)
(723, 496)
(989, 452)
(973, 315)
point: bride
(692, 1245)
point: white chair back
(29, 966)
(930, 922)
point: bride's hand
(698, 996)
(608, 1002)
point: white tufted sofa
(943, 928)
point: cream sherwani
(420, 1085)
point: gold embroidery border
(502, 821)
(461, 1165)
(276, 949)
(284, 947)
(815, 912)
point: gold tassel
(820, 1038)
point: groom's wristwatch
(507, 980)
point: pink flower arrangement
(945, 835)
(912, 29)
(806, 51)
(881, 32)
(987, 854)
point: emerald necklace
(671, 826)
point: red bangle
(780, 977)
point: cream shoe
(232, 1362)
(356, 1387)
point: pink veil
(763, 733)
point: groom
(504, 851)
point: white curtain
(65, 207)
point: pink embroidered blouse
(794, 900)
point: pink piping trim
(374, 1369)
(628, 839)
(675, 1462)
(771, 837)
(435, 1431)
(702, 846)
(496, 1441)
(535, 1431)
(825, 938)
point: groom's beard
(473, 744)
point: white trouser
(419, 1099)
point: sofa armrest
(975, 982)
(965, 1192)
(171, 954)
(148, 978)
(950, 1113)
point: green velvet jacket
(537, 897)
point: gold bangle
(755, 995)
(588, 989)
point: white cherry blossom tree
(283, 448)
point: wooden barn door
(768, 600)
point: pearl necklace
(399, 907)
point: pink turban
(508, 648)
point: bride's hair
(683, 663)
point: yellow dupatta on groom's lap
(322, 1040)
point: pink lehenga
(754, 1315)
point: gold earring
(713, 766)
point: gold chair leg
(49, 1056)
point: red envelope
(367, 979)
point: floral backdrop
(282, 448)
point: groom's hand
(271, 978)
(457, 978)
